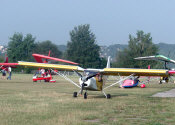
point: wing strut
(1, 66)
(66, 78)
(108, 95)
(118, 81)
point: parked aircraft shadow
(112, 95)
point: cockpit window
(86, 72)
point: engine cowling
(94, 83)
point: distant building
(3, 49)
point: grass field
(23, 102)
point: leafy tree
(20, 48)
(82, 47)
(141, 45)
(1, 58)
(46, 46)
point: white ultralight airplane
(94, 79)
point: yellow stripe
(139, 72)
(61, 67)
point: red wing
(9, 64)
(39, 58)
(6, 65)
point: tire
(108, 96)
(160, 82)
(75, 94)
(85, 95)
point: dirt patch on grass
(170, 93)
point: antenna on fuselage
(109, 62)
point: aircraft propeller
(84, 79)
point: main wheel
(108, 96)
(75, 94)
(85, 95)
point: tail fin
(109, 62)
(46, 60)
(49, 53)
(107, 66)
(6, 59)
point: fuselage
(94, 84)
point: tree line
(83, 49)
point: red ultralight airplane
(47, 77)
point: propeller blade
(91, 76)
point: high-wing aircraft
(41, 59)
(157, 57)
(95, 79)
(44, 59)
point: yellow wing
(105, 71)
(136, 72)
(55, 66)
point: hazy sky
(110, 20)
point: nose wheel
(85, 95)
(108, 96)
(75, 94)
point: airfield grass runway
(23, 102)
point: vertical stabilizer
(6, 59)
(107, 66)
(109, 62)
(49, 53)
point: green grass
(23, 102)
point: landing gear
(160, 82)
(108, 96)
(85, 95)
(75, 94)
(164, 80)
